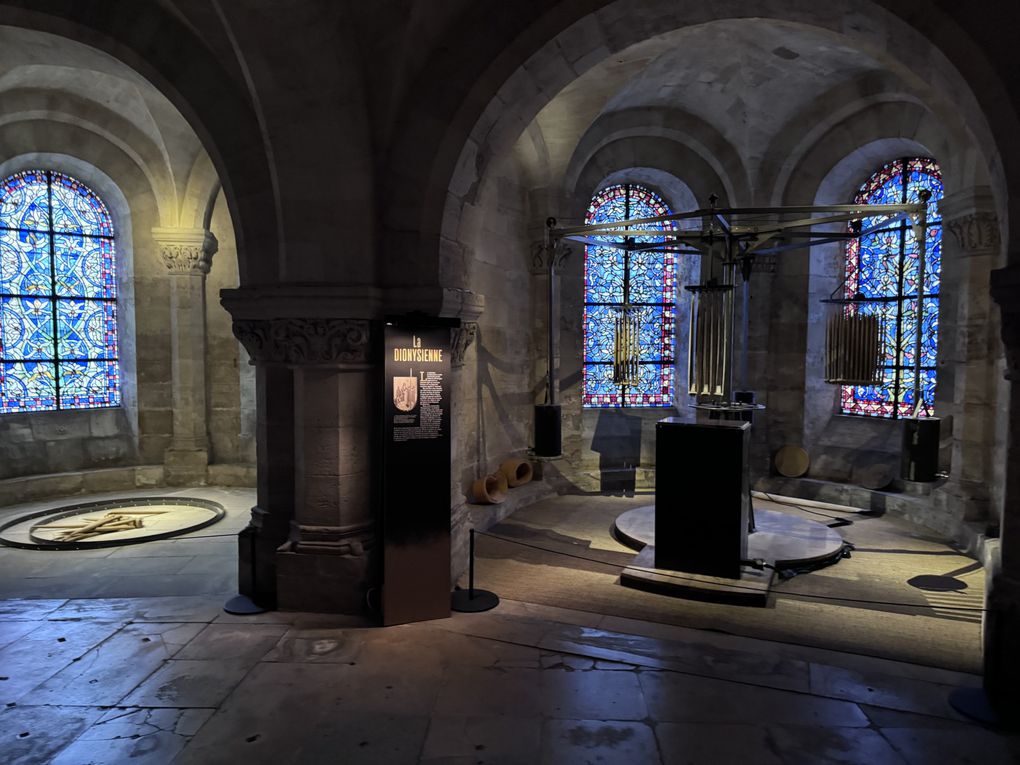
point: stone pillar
(187, 254)
(324, 463)
(1002, 620)
(269, 526)
(967, 335)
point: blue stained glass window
(883, 267)
(58, 296)
(643, 279)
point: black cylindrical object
(547, 430)
(920, 457)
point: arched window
(883, 268)
(58, 296)
(646, 280)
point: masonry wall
(139, 431)
(495, 389)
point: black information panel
(416, 473)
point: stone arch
(506, 91)
(699, 150)
(165, 51)
(115, 183)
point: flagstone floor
(125, 655)
(174, 679)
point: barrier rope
(787, 593)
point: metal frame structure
(735, 239)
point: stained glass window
(882, 266)
(644, 280)
(58, 296)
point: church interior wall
(115, 133)
(354, 196)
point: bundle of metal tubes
(709, 348)
(626, 350)
(853, 349)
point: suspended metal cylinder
(626, 348)
(710, 335)
(853, 349)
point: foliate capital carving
(976, 232)
(185, 250)
(460, 340)
(305, 341)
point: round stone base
(782, 540)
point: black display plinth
(701, 496)
(547, 430)
(920, 449)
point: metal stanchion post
(471, 600)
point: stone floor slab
(582, 742)
(673, 697)
(45, 651)
(233, 642)
(34, 735)
(592, 695)
(698, 743)
(487, 738)
(510, 692)
(927, 746)
(189, 684)
(111, 670)
(138, 736)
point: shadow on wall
(513, 411)
(617, 439)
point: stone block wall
(226, 362)
(494, 389)
(140, 430)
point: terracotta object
(490, 490)
(792, 461)
(517, 471)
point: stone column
(187, 254)
(1002, 620)
(269, 526)
(327, 562)
(967, 387)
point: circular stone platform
(783, 540)
(130, 521)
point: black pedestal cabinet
(701, 496)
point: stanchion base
(973, 703)
(483, 600)
(242, 605)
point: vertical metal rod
(551, 250)
(744, 332)
(731, 321)
(922, 238)
(471, 564)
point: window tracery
(58, 296)
(882, 273)
(646, 281)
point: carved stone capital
(460, 340)
(540, 256)
(186, 250)
(976, 232)
(325, 342)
